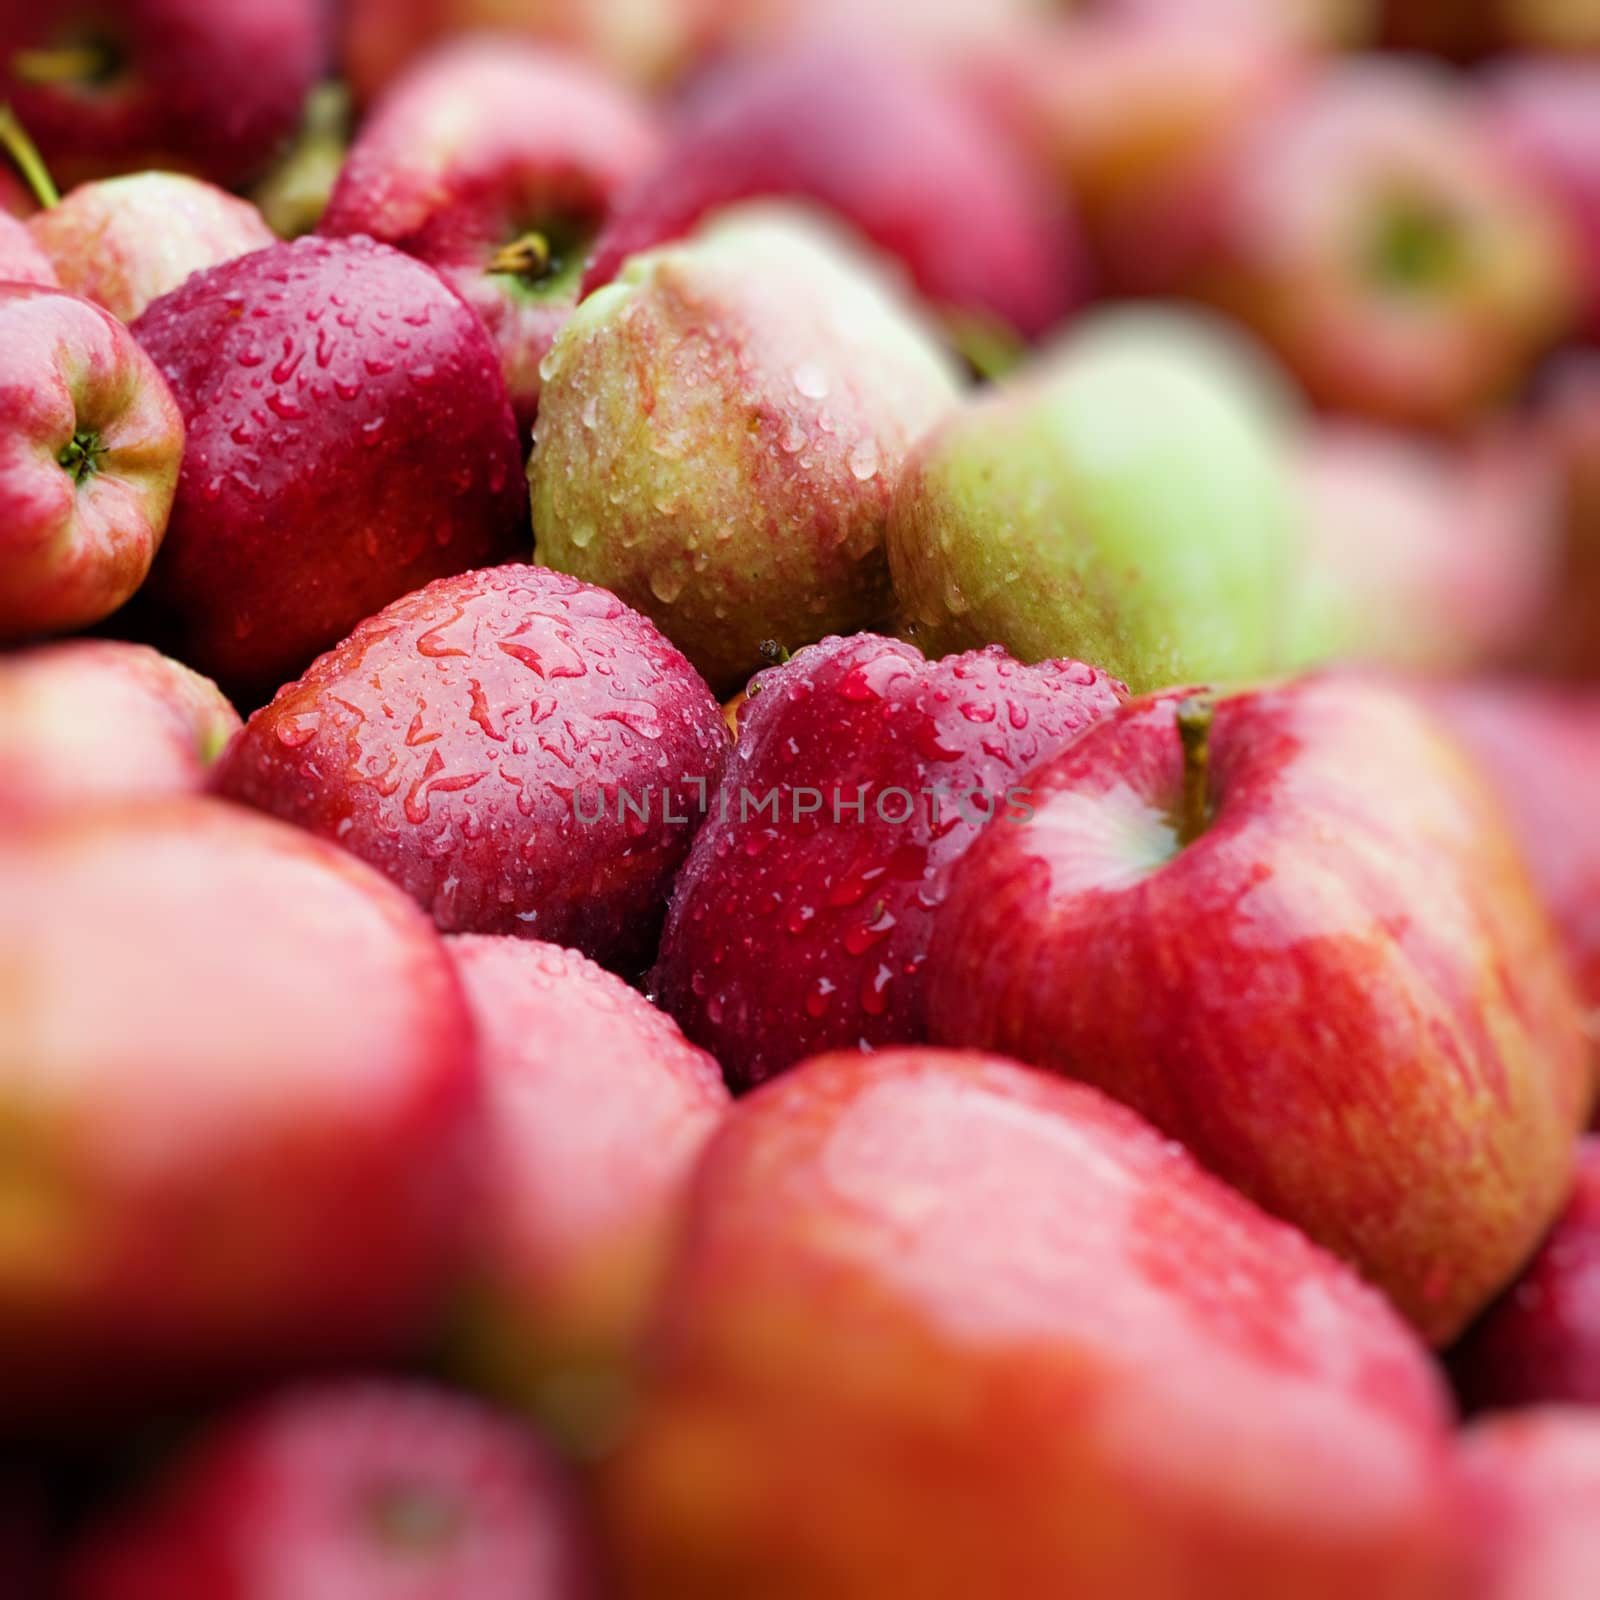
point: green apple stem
(1195, 716)
(527, 257)
(25, 155)
(72, 63)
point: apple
(350, 439)
(344, 1488)
(518, 750)
(800, 921)
(90, 721)
(891, 150)
(1472, 28)
(1126, 501)
(941, 1326)
(237, 1078)
(1376, 235)
(1326, 23)
(123, 242)
(21, 260)
(1289, 925)
(204, 86)
(719, 433)
(91, 442)
(496, 162)
(1539, 1344)
(1532, 1485)
(597, 1108)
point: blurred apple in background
(938, 1325)
(211, 87)
(91, 442)
(1126, 499)
(1290, 927)
(124, 242)
(1328, 23)
(720, 432)
(238, 1092)
(294, 194)
(89, 721)
(496, 162)
(1467, 29)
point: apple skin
(343, 1488)
(479, 144)
(1125, 501)
(87, 722)
(597, 1109)
(124, 242)
(1532, 1482)
(21, 259)
(794, 933)
(719, 434)
(476, 740)
(255, 1148)
(350, 439)
(893, 151)
(91, 442)
(1377, 236)
(997, 1337)
(1342, 996)
(211, 87)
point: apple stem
(24, 153)
(1195, 716)
(527, 257)
(73, 63)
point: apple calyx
(25, 157)
(527, 257)
(80, 458)
(88, 61)
(1195, 716)
(413, 1519)
(1417, 246)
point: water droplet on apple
(811, 381)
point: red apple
(349, 440)
(941, 1326)
(598, 1107)
(204, 86)
(496, 162)
(90, 721)
(348, 1490)
(21, 259)
(518, 750)
(124, 242)
(1533, 1493)
(238, 1091)
(800, 921)
(1289, 926)
(1377, 236)
(91, 441)
(1326, 23)
(891, 150)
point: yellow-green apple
(350, 439)
(800, 921)
(89, 721)
(518, 750)
(940, 1326)
(496, 161)
(597, 1108)
(346, 1488)
(1126, 501)
(123, 242)
(205, 86)
(21, 259)
(1531, 1494)
(893, 151)
(91, 443)
(719, 433)
(1378, 236)
(1289, 925)
(252, 1145)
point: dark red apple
(891, 150)
(350, 439)
(90, 721)
(1289, 925)
(518, 750)
(941, 1326)
(239, 1105)
(205, 86)
(801, 919)
(598, 1107)
(354, 1490)
(496, 162)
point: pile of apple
(908, 906)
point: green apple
(719, 434)
(1127, 500)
